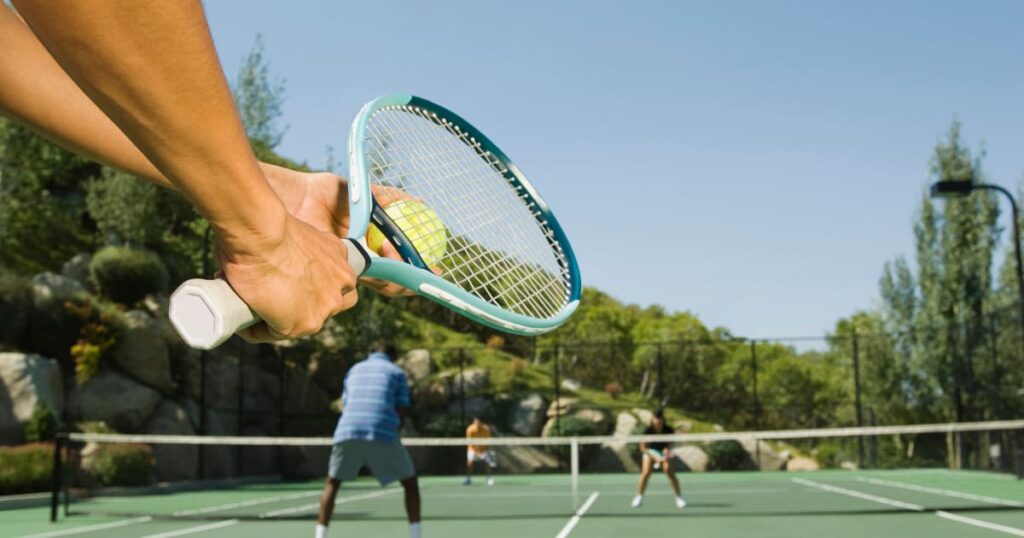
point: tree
(259, 99)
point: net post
(58, 476)
(574, 470)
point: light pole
(950, 189)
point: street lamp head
(950, 189)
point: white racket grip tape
(208, 312)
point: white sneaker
(490, 481)
(680, 503)
(637, 501)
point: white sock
(414, 530)
(321, 531)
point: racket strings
(499, 247)
(490, 262)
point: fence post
(856, 396)
(558, 392)
(462, 387)
(757, 401)
(661, 376)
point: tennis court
(934, 503)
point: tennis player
(375, 401)
(138, 86)
(656, 455)
(479, 453)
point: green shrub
(444, 425)
(26, 468)
(42, 425)
(571, 426)
(728, 456)
(126, 276)
(122, 464)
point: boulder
(173, 462)
(801, 463)
(433, 395)
(472, 380)
(26, 382)
(417, 365)
(116, 399)
(693, 457)
(763, 455)
(77, 268)
(15, 309)
(562, 406)
(527, 416)
(571, 385)
(222, 375)
(683, 426)
(48, 288)
(525, 459)
(848, 466)
(644, 415)
(302, 395)
(473, 406)
(615, 456)
(141, 352)
(601, 420)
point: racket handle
(208, 312)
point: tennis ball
(420, 224)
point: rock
(615, 456)
(848, 466)
(644, 415)
(15, 310)
(525, 459)
(26, 382)
(77, 268)
(600, 419)
(683, 426)
(258, 460)
(801, 463)
(141, 352)
(417, 365)
(433, 395)
(472, 380)
(473, 406)
(693, 457)
(173, 462)
(562, 406)
(764, 455)
(527, 417)
(221, 381)
(50, 287)
(571, 385)
(717, 428)
(115, 399)
(186, 368)
(302, 395)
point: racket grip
(208, 312)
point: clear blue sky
(755, 163)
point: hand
(294, 282)
(321, 200)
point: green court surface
(926, 503)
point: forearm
(152, 69)
(35, 91)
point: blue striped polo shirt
(373, 389)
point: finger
(261, 333)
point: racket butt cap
(207, 312)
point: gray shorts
(387, 461)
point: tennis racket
(499, 256)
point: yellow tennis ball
(420, 224)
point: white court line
(194, 530)
(980, 523)
(91, 528)
(579, 514)
(946, 492)
(914, 507)
(859, 495)
(243, 504)
(343, 500)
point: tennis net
(962, 466)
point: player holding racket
(655, 455)
(138, 85)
